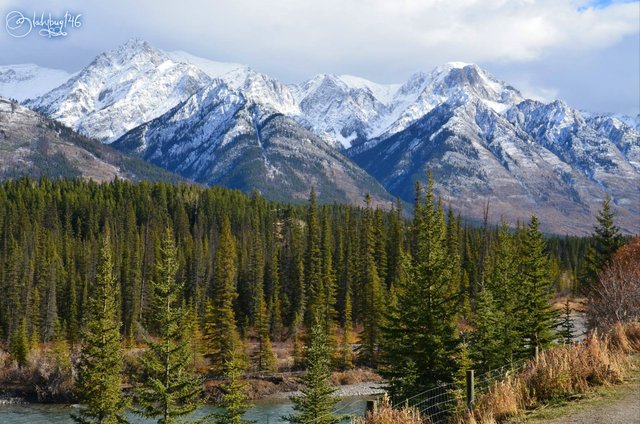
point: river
(264, 412)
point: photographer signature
(19, 25)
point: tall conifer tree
(222, 340)
(100, 367)
(170, 388)
(315, 404)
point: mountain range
(483, 141)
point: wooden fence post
(371, 406)
(470, 389)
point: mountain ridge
(483, 138)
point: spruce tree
(313, 265)
(234, 399)
(567, 327)
(222, 340)
(345, 354)
(502, 278)
(19, 344)
(372, 295)
(170, 388)
(316, 403)
(264, 358)
(420, 343)
(486, 337)
(539, 319)
(606, 240)
(100, 367)
(275, 303)
(327, 307)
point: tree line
(180, 269)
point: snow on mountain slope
(353, 110)
(27, 81)
(485, 143)
(219, 136)
(120, 90)
(454, 83)
(340, 112)
(212, 68)
(229, 124)
(384, 93)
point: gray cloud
(583, 53)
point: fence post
(371, 406)
(470, 389)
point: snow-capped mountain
(120, 90)
(227, 123)
(220, 136)
(27, 81)
(484, 143)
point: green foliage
(100, 368)
(372, 295)
(486, 352)
(567, 327)
(315, 404)
(420, 340)
(313, 264)
(234, 400)
(243, 260)
(220, 331)
(264, 358)
(19, 347)
(534, 299)
(169, 388)
(606, 240)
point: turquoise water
(265, 411)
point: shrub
(559, 373)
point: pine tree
(313, 265)
(222, 340)
(264, 358)
(275, 303)
(346, 356)
(234, 399)
(485, 340)
(606, 240)
(420, 343)
(327, 307)
(19, 346)
(100, 368)
(315, 404)
(537, 329)
(372, 300)
(170, 388)
(567, 327)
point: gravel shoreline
(348, 390)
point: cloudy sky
(586, 52)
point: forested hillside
(394, 293)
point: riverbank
(351, 383)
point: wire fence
(439, 404)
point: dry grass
(355, 376)
(559, 373)
(386, 414)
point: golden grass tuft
(559, 373)
(386, 414)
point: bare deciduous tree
(616, 295)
